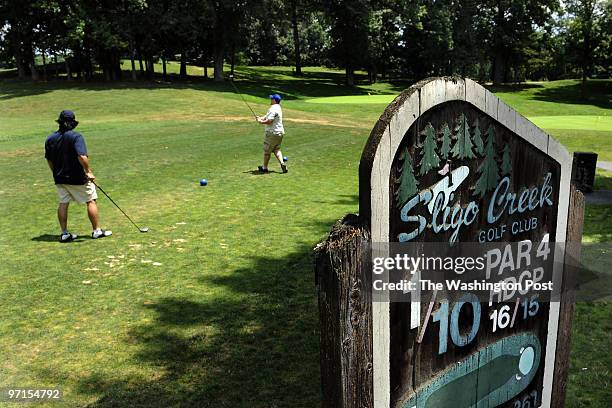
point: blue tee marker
(285, 159)
(203, 182)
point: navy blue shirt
(64, 149)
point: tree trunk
(21, 71)
(372, 74)
(499, 68)
(76, 63)
(183, 65)
(142, 70)
(350, 75)
(150, 67)
(44, 61)
(164, 68)
(232, 59)
(68, 71)
(106, 71)
(117, 66)
(296, 39)
(132, 60)
(219, 52)
(35, 76)
(499, 61)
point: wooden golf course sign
(448, 162)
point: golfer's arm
(84, 160)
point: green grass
(229, 318)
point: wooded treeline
(498, 40)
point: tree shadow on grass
(255, 344)
(343, 199)
(598, 93)
(249, 81)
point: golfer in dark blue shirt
(66, 154)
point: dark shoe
(101, 234)
(67, 237)
(284, 167)
(262, 170)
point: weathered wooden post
(449, 162)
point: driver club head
(144, 229)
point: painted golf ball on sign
(285, 158)
(203, 182)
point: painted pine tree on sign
(478, 139)
(446, 141)
(463, 145)
(430, 158)
(407, 182)
(506, 167)
(489, 173)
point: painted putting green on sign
(508, 366)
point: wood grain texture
(345, 311)
(566, 315)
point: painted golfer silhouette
(494, 374)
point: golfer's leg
(62, 216)
(92, 213)
(266, 160)
(279, 156)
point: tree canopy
(498, 40)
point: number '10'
(441, 315)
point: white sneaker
(100, 233)
(67, 237)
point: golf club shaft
(241, 97)
(116, 205)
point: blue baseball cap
(276, 97)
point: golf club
(241, 97)
(141, 229)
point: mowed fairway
(215, 306)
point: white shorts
(82, 193)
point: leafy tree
(463, 146)
(587, 33)
(505, 27)
(430, 158)
(408, 183)
(489, 173)
(349, 28)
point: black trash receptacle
(583, 172)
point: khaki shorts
(272, 143)
(80, 193)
